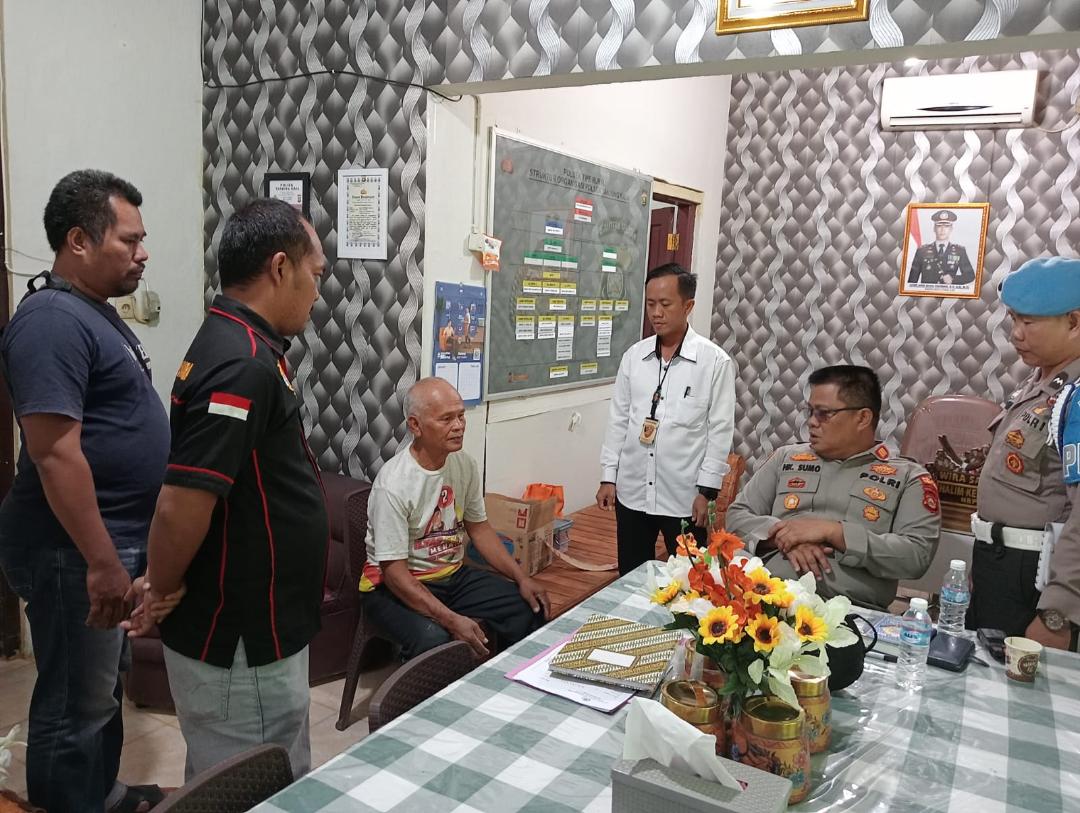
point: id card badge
(648, 431)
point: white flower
(698, 607)
(676, 568)
(6, 756)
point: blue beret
(1048, 286)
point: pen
(687, 393)
(882, 656)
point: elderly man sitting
(841, 505)
(425, 504)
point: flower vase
(703, 668)
(770, 735)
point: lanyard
(661, 374)
(49, 282)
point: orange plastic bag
(543, 491)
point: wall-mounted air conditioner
(959, 101)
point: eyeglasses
(825, 415)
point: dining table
(970, 741)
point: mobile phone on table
(994, 641)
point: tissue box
(646, 786)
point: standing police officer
(1021, 488)
(942, 262)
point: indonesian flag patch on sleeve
(231, 406)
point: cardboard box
(525, 527)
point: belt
(1016, 538)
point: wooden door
(677, 219)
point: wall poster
(567, 301)
(363, 210)
(457, 353)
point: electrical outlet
(147, 306)
(125, 306)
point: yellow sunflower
(720, 626)
(809, 626)
(765, 588)
(766, 633)
(662, 595)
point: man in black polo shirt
(241, 519)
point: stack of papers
(536, 673)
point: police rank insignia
(1014, 463)
(185, 370)
(796, 482)
(882, 468)
(930, 498)
(791, 502)
(804, 457)
(881, 453)
(871, 513)
(875, 493)
(1015, 438)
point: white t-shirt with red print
(419, 515)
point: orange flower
(686, 545)
(724, 544)
(766, 633)
(701, 580)
(736, 580)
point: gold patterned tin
(814, 697)
(699, 705)
(771, 735)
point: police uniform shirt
(934, 261)
(696, 412)
(237, 433)
(1021, 483)
(888, 507)
(1062, 591)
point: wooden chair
(418, 679)
(729, 489)
(236, 785)
(370, 646)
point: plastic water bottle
(955, 598)
(915, 629)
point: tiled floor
(153, 746)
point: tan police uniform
(888, 507)
(1021, 489)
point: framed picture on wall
(944, 246)
(292, 187)
(735, 16)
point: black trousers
(478, 594)
(1003, 594)
(637, 532)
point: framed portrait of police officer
(944, 246)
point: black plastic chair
(236, 785)
(418, 679)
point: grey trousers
(223, 712)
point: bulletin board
(567, 300)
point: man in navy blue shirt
(73, 529)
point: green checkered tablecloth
(970, 742)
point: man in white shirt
(670, 426)
(426, 503)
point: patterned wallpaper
(363, 348)
(813, 226)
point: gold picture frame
(945, 271)
(737, 16)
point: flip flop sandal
(138, 799)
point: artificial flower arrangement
(755, 627)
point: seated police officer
(1022, 486)
(425, 505)
(841, 506)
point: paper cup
(1022, 658)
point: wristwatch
(708, 493)
(1053, 620)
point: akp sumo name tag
(648, 431)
